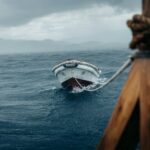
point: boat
(74, 74)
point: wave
(52, 88)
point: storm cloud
(25, 25)
(17, 12)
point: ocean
(37, 114)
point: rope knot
(140, 27)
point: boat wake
(76, 90)
(52, 88)
(100, 82)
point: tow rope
(113, 77)
(140, 27)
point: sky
(71, 21)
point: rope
(114, 76)
(140, 27)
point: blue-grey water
(35, 113)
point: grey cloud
(16, 12)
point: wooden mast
(145, 94)
(130, 121)
(146, 8)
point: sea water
(36, 113)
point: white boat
(76, 74)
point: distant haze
(51, 25)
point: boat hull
(73, 83)
(76, 74)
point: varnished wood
(133, 108)
(145, 105)
(145, 94)
(121, 115)
(146, 8)
(130, 136)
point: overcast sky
(73, 21)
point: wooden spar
(122, 113)
(145, 94)
(130, 121)
(146, 8)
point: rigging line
(79, 84)
(114, 76)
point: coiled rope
(140, 27)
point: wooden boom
(130, 121)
